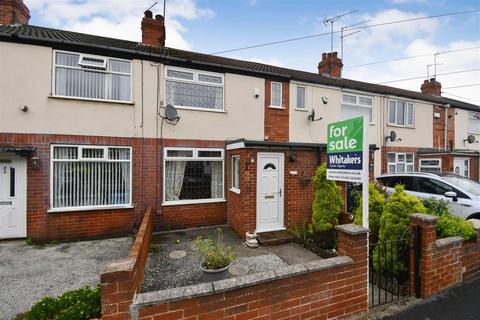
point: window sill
(399, 126)
(92, 100)
(186, 202)
(301, 109)
(276, 107)
(200, 109)
(96, 208)
(235, 190)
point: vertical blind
(84, 77)
(84, 176)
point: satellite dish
(171, 113)
(470, 139)
(311, 116)
(392, 136)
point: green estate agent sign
(345, 150)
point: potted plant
(217, 257)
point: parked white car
(462, 194)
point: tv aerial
(470, 139)
(392, 136)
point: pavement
(29, 272)
(164, 271)
(461, 302)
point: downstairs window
(193, 175)
(89, 177)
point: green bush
(300, 232)
(376, 201)
(80, 304)
(448, 224)
(394, 225)
(327, 204)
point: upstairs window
(401, 113)
(300, 97)
(354, 105)
(194, 89)
(89, 177)
(92, 77)
(474, 122)
(276, 94)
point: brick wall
(276, 119)
(13, 11)
(439, 128)
(147, 186)
(121, 280)
(444, 262)
(333, 288)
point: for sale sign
(345, 150)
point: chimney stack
(331, 65)
(153, 30)
(431, 87)
(13, 12)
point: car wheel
(474, 216)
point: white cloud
(108, 18)
(411, 39)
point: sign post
(347, 159)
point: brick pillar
(440, 260)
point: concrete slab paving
(29, 273)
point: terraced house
(85, 146)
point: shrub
(376, 201)
(300, 232)
(448, 224)
(214, 252)
(327, 204)
(80, 304)
(394, 226)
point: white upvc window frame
(82, 159)
(472, 115)
(194, 157)
(397, 154)
(304, 108)
(234, 188)
(427, 166)
(357, 104)
(281, 95)
(405, 114)
(93, 68)
(195, 80)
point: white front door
(270, 192)
(461, 166)
(13, 196)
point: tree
(328, 202)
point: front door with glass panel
(13, 217)
(270, 193)
(461, 166)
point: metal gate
(389, 269)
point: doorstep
(273, 238)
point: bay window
(400, 162)
(84, 76)
(355, 106)
(189, 88)
(89, 177)
(401, 113)
(193, 175)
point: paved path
(28, 273)
(462, 302)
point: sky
(211, 26)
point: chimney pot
(159, 17)
(148, 14)
(13, 12)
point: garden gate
(390, 271)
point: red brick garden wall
(471, 259)
(335, 288)
(121, 280)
